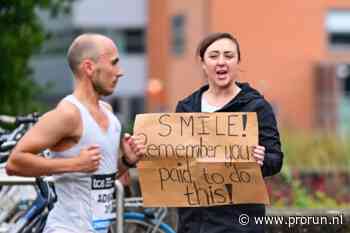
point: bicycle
(33, 218)
(150, 220)
(18, 220)
(8, 140)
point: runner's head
(94, 58)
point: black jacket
(224, 219)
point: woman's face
(220, 63)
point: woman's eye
(229, 55)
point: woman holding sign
(220, 56)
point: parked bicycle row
(26, 202)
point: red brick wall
(281, 41)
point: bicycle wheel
(138, 223)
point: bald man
(83, 136)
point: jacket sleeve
(269, 138)
(179, 107)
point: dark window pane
(134, 41)
(347, 86)
(342, 39)
(137, 106)
(178, 34)
(115, 103)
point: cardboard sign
(199, 159)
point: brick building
(295, 53)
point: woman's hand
(259, 154)
(133, 147)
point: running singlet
(84, 200)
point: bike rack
(15, 180)
(120, 207)
(19, 180)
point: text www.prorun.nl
(245, 219)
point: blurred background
(296, 53)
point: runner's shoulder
(67, 112)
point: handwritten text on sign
(199, 159)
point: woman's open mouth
(221, 74)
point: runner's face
(220, 63)
(107, 72)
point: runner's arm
(47, 132)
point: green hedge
(325, 152)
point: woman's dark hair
(207, 41)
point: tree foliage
(22, 34)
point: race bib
(103, 213)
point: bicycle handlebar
(31, 118)
(9, 140)
(8, 145)
(7, 119)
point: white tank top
(84, 203)
(206, 107)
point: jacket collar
(247, 94)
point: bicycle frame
(35, 216)
(120, 207)
(38, 211)
(157, 219)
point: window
(338, 29)
(134, 41)
(129, 40)
(178, 34)
(126, 108)
(57, 42)
(344, 100)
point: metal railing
(119, 226)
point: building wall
(339, 56)
(282, 43)
(158, 58)
(124, 22)
(185, 69)
(115, 14)
(180, 73)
